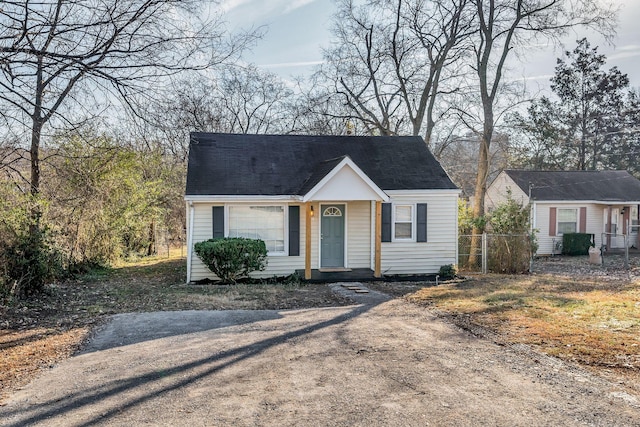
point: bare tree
(392, 60)
(508, 26)
(190, 105)
(238, 99)
(64, 61)
(315, 110)
(253, 101)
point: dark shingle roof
(613, 186)
(320, 171)
(229, 164)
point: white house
(338, 204)
(602, 203)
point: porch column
(307, 242)
(377, 272)
(608, 228)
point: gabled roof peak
(328, 170)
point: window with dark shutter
(218, 222)
(421, 222)
(294, 230)
(386, 222)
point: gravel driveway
(378, 363)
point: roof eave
(241, 198)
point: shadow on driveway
(91, 405)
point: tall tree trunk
(36, 134)
(480, 191)
(35, 157)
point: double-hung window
(266, 223)
(403, 216)
(567, 221)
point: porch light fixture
(311, 210)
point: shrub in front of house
(447, 272)
(577, 243)
(232, 258)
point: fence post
(530, 243)
(626, 250)
(484, 253)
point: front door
(332, 236)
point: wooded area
(98, 98)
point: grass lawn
(593, 323)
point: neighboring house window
(567, 221)
(259, 222)
(634, 217)
(403, 222)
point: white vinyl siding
(399, 257)
(596, 218)
(359, 234)
(441, 247)
(498, 190)
(276, 265)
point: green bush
(27, 264)
(232, 258)
(576, 243)
(447, 272)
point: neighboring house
(602, 203)
(323, 203)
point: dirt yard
(387, 363)
(37, 334)
(440, 368)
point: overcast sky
(298, 29)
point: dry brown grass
(594, 323)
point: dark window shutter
(421, 222)
(218, 222)
(552, 221)
(386, 222)
(294, 230)
(583, 220)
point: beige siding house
(323, 204)
(602, 203)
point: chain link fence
(170, 245)
(496, 253)
(607, 239)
